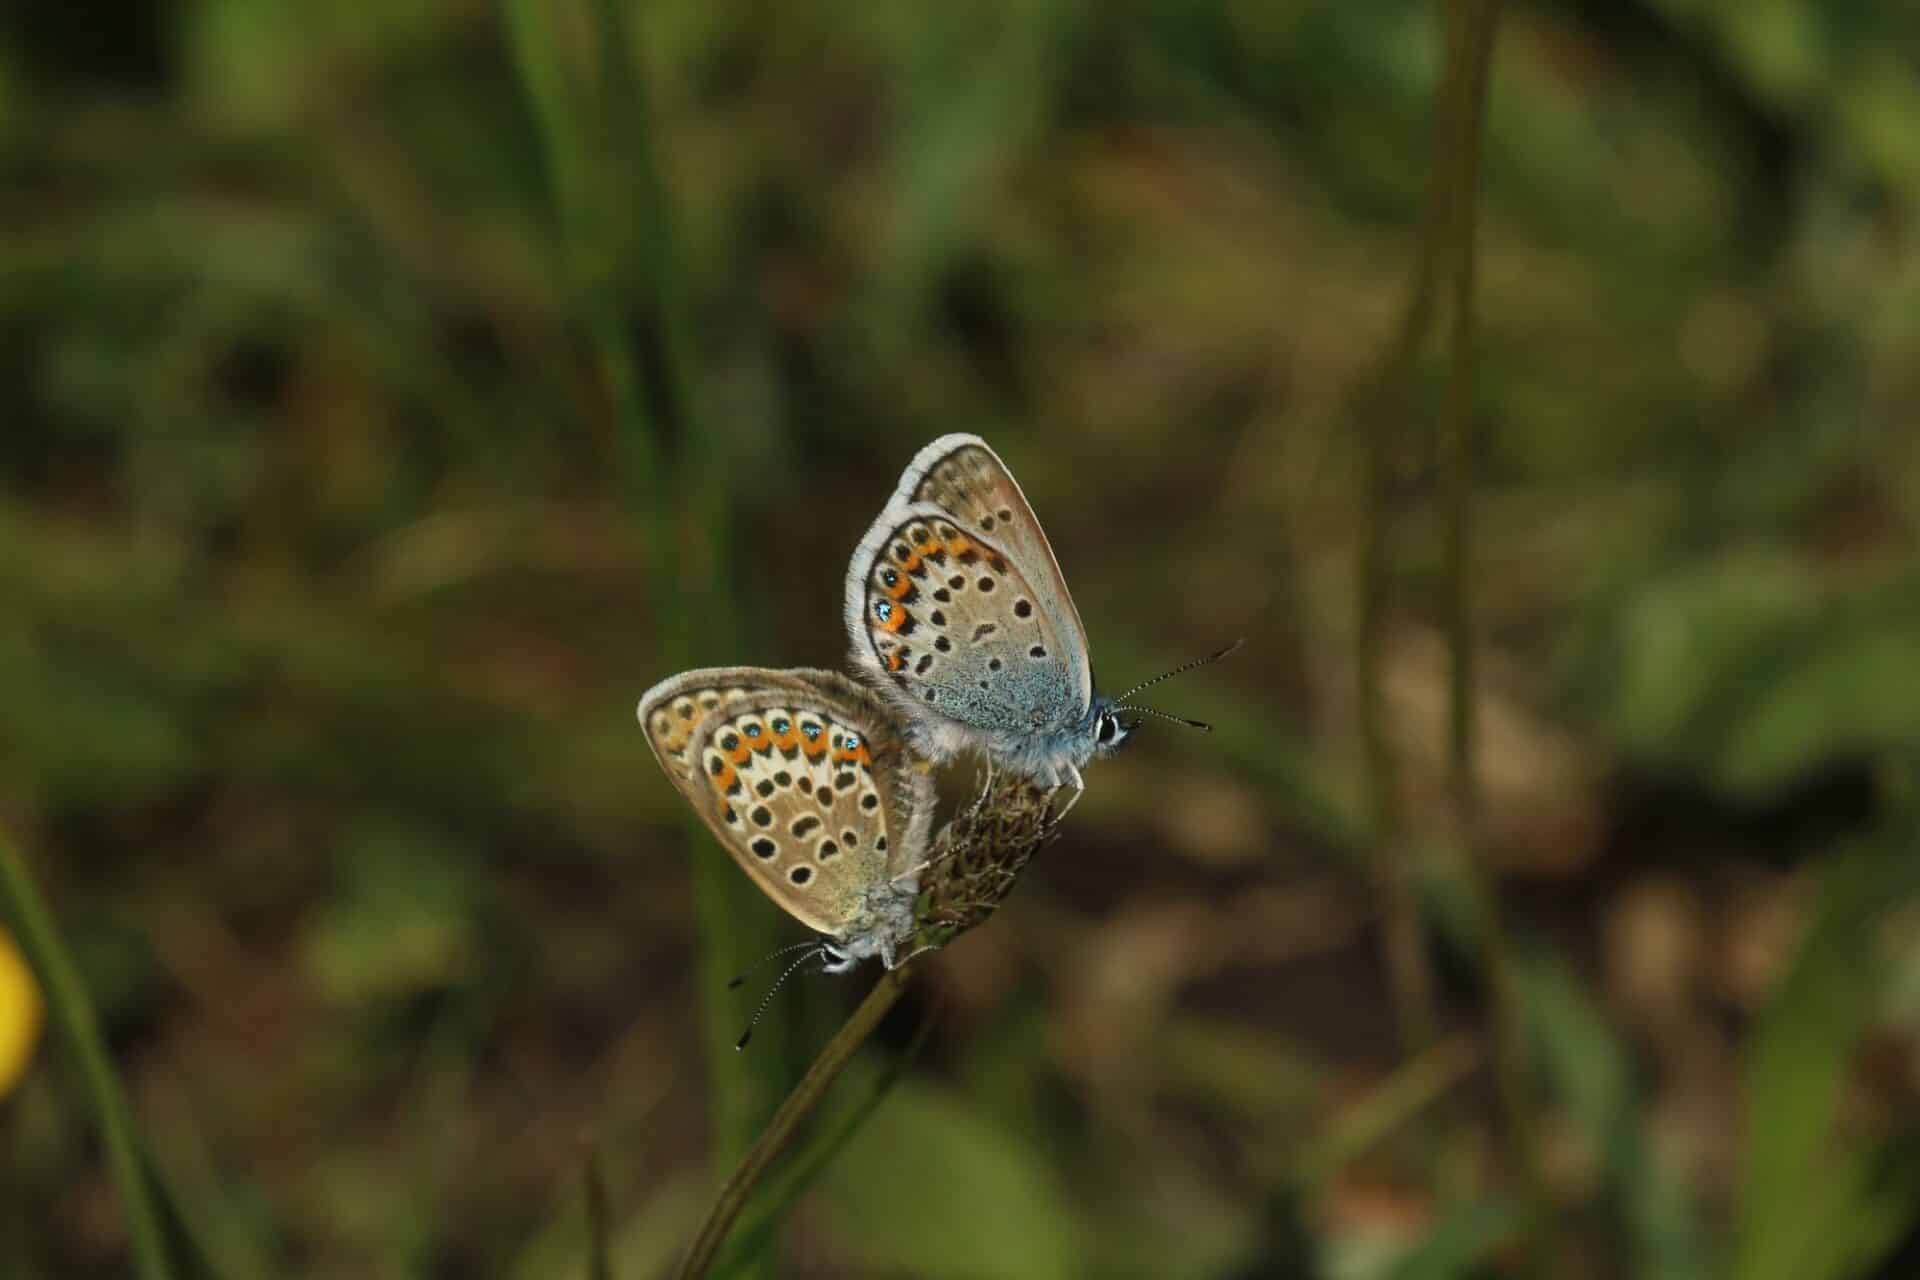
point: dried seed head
(979, 854)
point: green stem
(73, 1012)
(599, 1229)
(764, 1211)
(1383, 405)
(781, 1129)
(1471, 28)
(618, 233)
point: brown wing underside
(801, 776)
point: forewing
(803, 778)
(674, 708)
(948, 616)
(966, 478)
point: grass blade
(1590, 1073)
(1799, 1190)
(73, 1013)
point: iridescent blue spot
(883, 609)
(780, 724)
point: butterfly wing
(959, 527)
(967, 479)
(803, 778)
(949, 619)
(673, 710)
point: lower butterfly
(804, 777)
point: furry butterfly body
(807, 781)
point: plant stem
(1471, 27)
(786, 1121)
(764, 1211)
(617, 230)
(1384, 406)
(73, 1010)
(599, 1231)
(680, 481)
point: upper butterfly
(957, 610)
(805, 779)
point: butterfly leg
(914, 871)
(1079, 789)
(915, 954)
(986, 787)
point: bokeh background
(391, 393)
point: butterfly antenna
(815, 951)
(1178, 671)
(762, 962)
(1201, 725)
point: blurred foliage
(331, 582)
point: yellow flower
(19, 1015)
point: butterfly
(958, 613)
(806, 780)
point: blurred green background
(390, 393)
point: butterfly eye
(1108, 727)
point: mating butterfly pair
(818, 785)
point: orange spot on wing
(724, 780)
(858, 754)
(900, 588)
(787, 741)
(741, 754)
(895, 661)
(959, 547)
(896, 620)
(815, 748)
